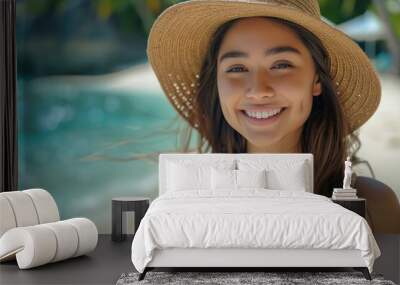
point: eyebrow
(267, 52)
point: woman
(271, 77)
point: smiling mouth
(263, 121)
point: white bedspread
(251, 218)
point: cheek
(230, 86)
(305, 108)
(297, 90)
(303, 105)
(291, 85)
(227, 103)
(226, 94)
(298, 95)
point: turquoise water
(60, 128)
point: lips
(261, 121)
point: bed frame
(246, 259)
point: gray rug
(230, 278)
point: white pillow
(187, 174)
(251, 178)
(293, 179)
(181, 177)
(223, 179)
(232, 179)
(281, 174)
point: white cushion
(44, 243)
(46, 207)
(32, 246)
(7, 218)
(26, 208)
(282, 174)
(66, 236)
(31, 233)
(23, 208)
(188, 175)
(87, 233)
(228, 179)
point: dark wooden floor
(110, 259)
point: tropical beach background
(91, 109)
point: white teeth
(263, 115)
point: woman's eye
(282, 65)
(235, 68)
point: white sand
(380, 136)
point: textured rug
(230, 278)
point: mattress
(250, 219)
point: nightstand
(357, 205)
(139, 205)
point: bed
(244, 211)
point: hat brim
(181, 35)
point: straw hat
(180, 37)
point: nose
(259, 86)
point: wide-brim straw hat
(180, 37)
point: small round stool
(139, 205)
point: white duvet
(251, 218)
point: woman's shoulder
(365, 183)
(383, 206)
(375, 189)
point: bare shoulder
(383, 206)
(371, 186)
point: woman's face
(263, 68)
